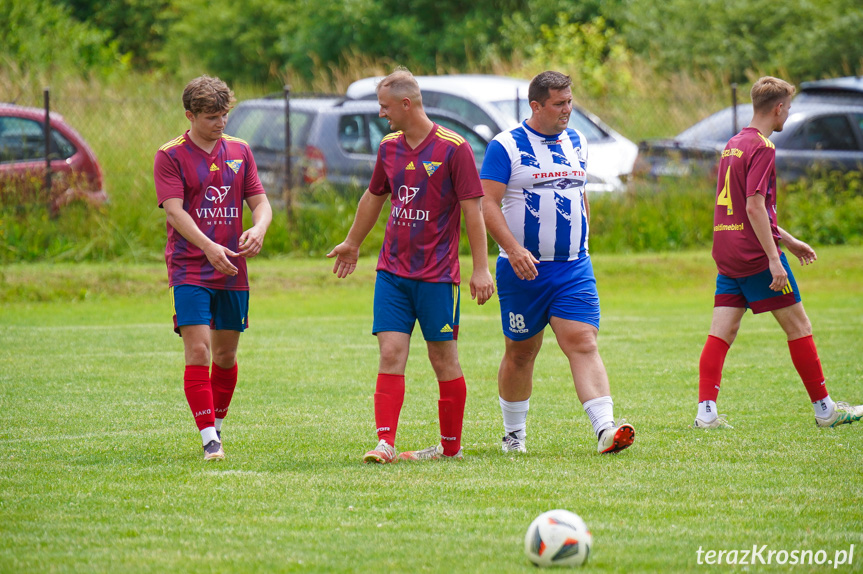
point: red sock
(199, 394)
(389, 396)
(710, 368)
(223, 381)
(808, 365)
(451, 413)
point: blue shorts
(754, 292)
(564, 289)
(219, 308)
(400, 303)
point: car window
(63, 146)
(378, 128)
(472, 113)
(21, 139)
(824, 133)
(477, 144)
(264, 128)
(577, 120)
(354, 134)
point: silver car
(492, 104)
(817, 135)
(333, 140)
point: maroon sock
(199, 394)
(804, 355)
(710, 368)
(451, 413)
(224, 381)
(389, 397)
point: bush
(825, 209)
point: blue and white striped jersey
(544, 200)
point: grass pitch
(101, 466)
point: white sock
(601, 413)
(824, 408)
(707, 411)
(209, 434)
(219, 424)
(515, 416)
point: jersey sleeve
(464, 175)
(760, 171)
(166, 175)
(496, 165)
(379, 184)
(252, 183)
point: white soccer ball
(558, 538)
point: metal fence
(125, 133)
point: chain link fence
(333, 141)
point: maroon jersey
(212, 187)
(747, 167)
(426, 185)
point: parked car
(76, 173)
(334, 140)
(492, 104)
(817, 135)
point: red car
(75, 171)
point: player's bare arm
(522, 261)
(802, 251)
(216, 254)
(758, 218)
(347, 252)
(252, 239)
(481, 282)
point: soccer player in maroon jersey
(753, 271)
(429, 175)
(202, 178)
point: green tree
(800, 38)
(38, 37)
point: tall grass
(126, 119)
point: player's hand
(218, 258)
(346, 259)
(780, 276)
(251, 242)
(802, 252)
(523, 263)
(481, 285)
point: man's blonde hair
(208, 95)
(768, 91)
(402, 84)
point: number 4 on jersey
(724, 197)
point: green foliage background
(266, 41)
(649, 69)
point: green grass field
(101, 467)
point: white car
(492, 104)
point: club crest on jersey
(213, 167)
(431, 166)
(234, 164)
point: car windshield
(264, 128)
(577, 120)
(720, 127)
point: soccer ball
(558, 538)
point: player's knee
(521, 356)
(198, 354)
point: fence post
(47, 129)
(287, 181)
(734, 108)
